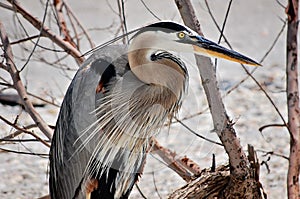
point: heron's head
(171, 36)
(151, 59)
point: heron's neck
(161, 71)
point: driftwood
(209, 185)
(213, 183)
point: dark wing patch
(106, 76)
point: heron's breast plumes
(129, 114)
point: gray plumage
(79, 142)
(117, 101)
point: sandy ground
(251, 28)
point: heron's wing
(68, 157)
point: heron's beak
(206, 47)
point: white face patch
(159, 40)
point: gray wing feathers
(68, 160)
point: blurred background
(255, 28)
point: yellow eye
(181, 35)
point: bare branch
(169, 158)
(292, 92)
(62, 22)
(271, 125)
(16, 133)
(12, 69)
(198, 135)
(69, 10)
(24, 130)
(223, 126)
(154, 182)
(140, 191)
(24, 153)
(45, 31)
(149, 10)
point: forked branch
(223, 126)
(45, 31)
(18, 85)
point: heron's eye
(181, 35)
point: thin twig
(140, 191)
(58, 4)
(42, 99)
(38, 39)
(271, 125)
(44, 155)
(24, 130)
(45, 31)
(122, 17)
(22, 40)
(76, 36)
(272, 153)
(16, 133)
(198, 135)
(154, 182)
(21, 140)
(149, 10)
(216, 24)
(12, 69)
(223, 27)
(224, 22)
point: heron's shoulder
(115, 55)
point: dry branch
(292, 91)
(181, 166)
(45, 31)
(62, 22)
(207, 186)
(25, 131)
(223, 126)
(71, 15)
(241, 183)
(18, 85)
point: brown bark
(209, 185)
(242, 182)
(184, 167)
(18, 85)
(62, 22)
(223, 126)
(218, 184)
(293, 99)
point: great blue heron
(118, 100)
